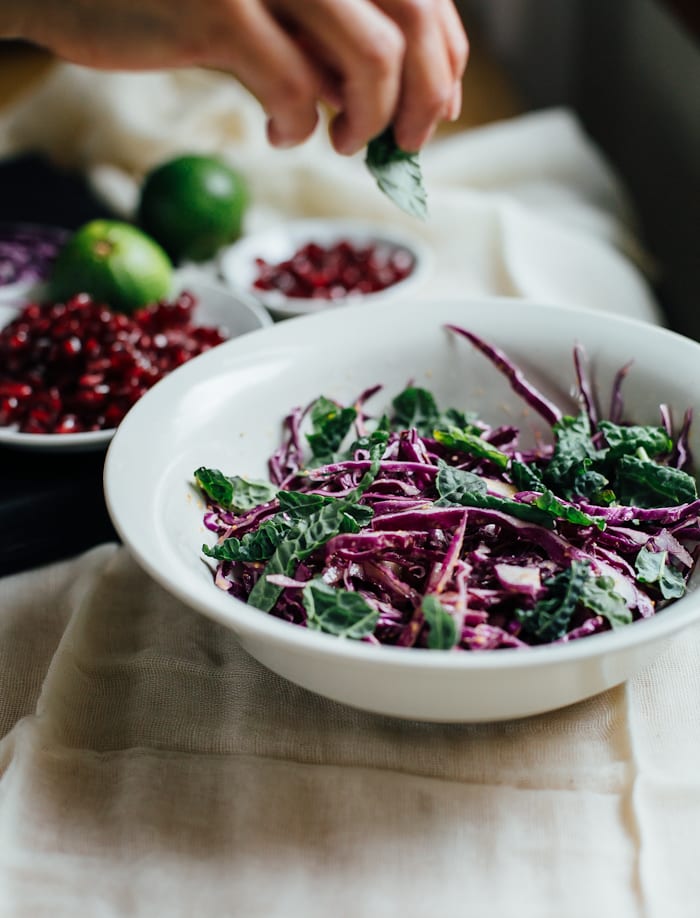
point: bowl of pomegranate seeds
(70, 371)
(306, 266)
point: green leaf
(626, 440)
(600, 597)
(559, 510)
(330, 424)
(398, 173)
(457, 487)
(592, 484)
(234, 493)
(526, 477)
(573, 446)
(343, 613)
(644, 483)
(550, 618)
(654, 567)
(442, 630)
(415, 407)
(253, 546)
(472, 443)
(309, 533)
(264, 594)
(375, 442)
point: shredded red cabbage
(431, 528)
(27, 252)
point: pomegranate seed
(68, 367)
(331, 273)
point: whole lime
(115, 262)
(193, 205)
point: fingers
(365, 49)
(458, 50)
(263, 56)
(376, 61)
(436, 55)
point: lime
(115, 263)
(193, 205)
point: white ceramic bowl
(224, 410)
(239, 270)
(237, 314)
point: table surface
(52, 506)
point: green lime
(115, 263)
(193, 205)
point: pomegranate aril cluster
(336, 271)
(78, 366)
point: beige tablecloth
(150, 767)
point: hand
(374, 62)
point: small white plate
(225, 409)
(238, 267)
(217, 306)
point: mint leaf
(442, 630)
(398, 174)
(343, 613)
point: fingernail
(343, 142)
(278, 137)
(455, 107)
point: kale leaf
(442, 630)
(235, 492)
(330, 423)
(654, 567)
(468, 441)
(343, 613)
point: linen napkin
(149, 766)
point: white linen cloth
(150, 767)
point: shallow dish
(224, 410)
(239, 269)
(217, 306)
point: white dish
(224, 410)
(217, 306)
(238, 268)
